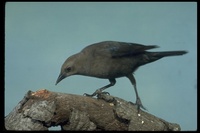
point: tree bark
(43, 109)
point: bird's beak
(60, 77)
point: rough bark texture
(43, 109)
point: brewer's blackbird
(111, 60)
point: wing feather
(117, 49)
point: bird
(111, 60)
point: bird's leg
(138, 101)
(99, 91)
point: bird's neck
(82, 64)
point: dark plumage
(110, 60)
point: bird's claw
(139, 104)
(97, 92)
(106, 93)
(88, 95)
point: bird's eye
(68, 69)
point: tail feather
(153, 56)
(167, 53)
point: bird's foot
(139, 104)
(89, 95)
(103, 93)
(97, 92)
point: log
(43, 109)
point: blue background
(39, 37)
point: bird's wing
(120, 49)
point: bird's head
(68, 68)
